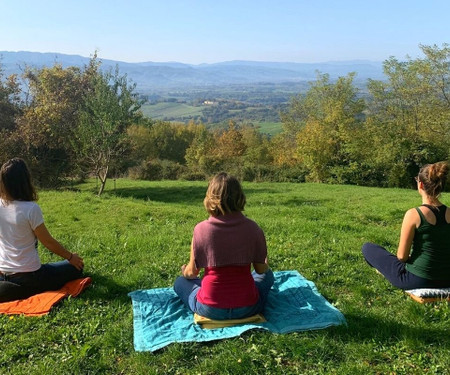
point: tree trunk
(102, 180)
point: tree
(10, 102)
(200, 154)
(322, 122)
(409, 115)
(46, 128)
(10, 108)
(108, 109)
(162, 140)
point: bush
(193, 176)
(156, 169)
(270, 173)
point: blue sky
(223, 30)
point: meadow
(182, 112)
(179, 111)
(271, 128)
(137, 235)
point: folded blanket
(40, 304)
(294, 304)
(425, 295)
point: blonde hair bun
(439, 171)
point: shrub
(157, 170)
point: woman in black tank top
(423, 255)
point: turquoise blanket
(294, 304)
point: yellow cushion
(211, 323)
(424, 295)
(427, 299)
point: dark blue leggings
(50, 276)
(394, 270)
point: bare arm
(44, 236)
(260, 267)
(190, 270)
(409, 225)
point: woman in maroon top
(226, 246)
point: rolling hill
(160, 76)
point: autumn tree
(162, 140)
(109, 108)
(49, 119)
(200, 156)
(322, 122)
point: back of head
(224, 195)
(434, 177)
(15, 181)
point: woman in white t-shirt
(21, 226)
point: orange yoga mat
(40, 304)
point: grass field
(182, 112)
(271, 128)
(161, 111)
(137, 235)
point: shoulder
(447, 214)
(28, 206)
(412, 217)
(412, 212)
(21, 205)
(252, 223)
(252, 227)
(32, 211)
(201, 226)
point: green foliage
(10, 102)
(409, 115)
(323, 122)
(136, 236)
(10, 108)
(156, 169)
(108, 109)
(241, 150)
(45, 129)
(162, 140)
(403, 125)
(81, 121)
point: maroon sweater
(226, 246)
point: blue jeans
(187, 290)
(395, 271)
(50, 276)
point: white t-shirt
(18, 244)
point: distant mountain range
(156, 76)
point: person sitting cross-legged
(423, 255)
(226, 246)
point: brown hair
(224, 195)
(15, 182)
(433, 177)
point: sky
(196, 32)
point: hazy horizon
(204, 32)
(201, 63)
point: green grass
(183, 112)
(271, 128)
(180, 111)
(137, 236)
